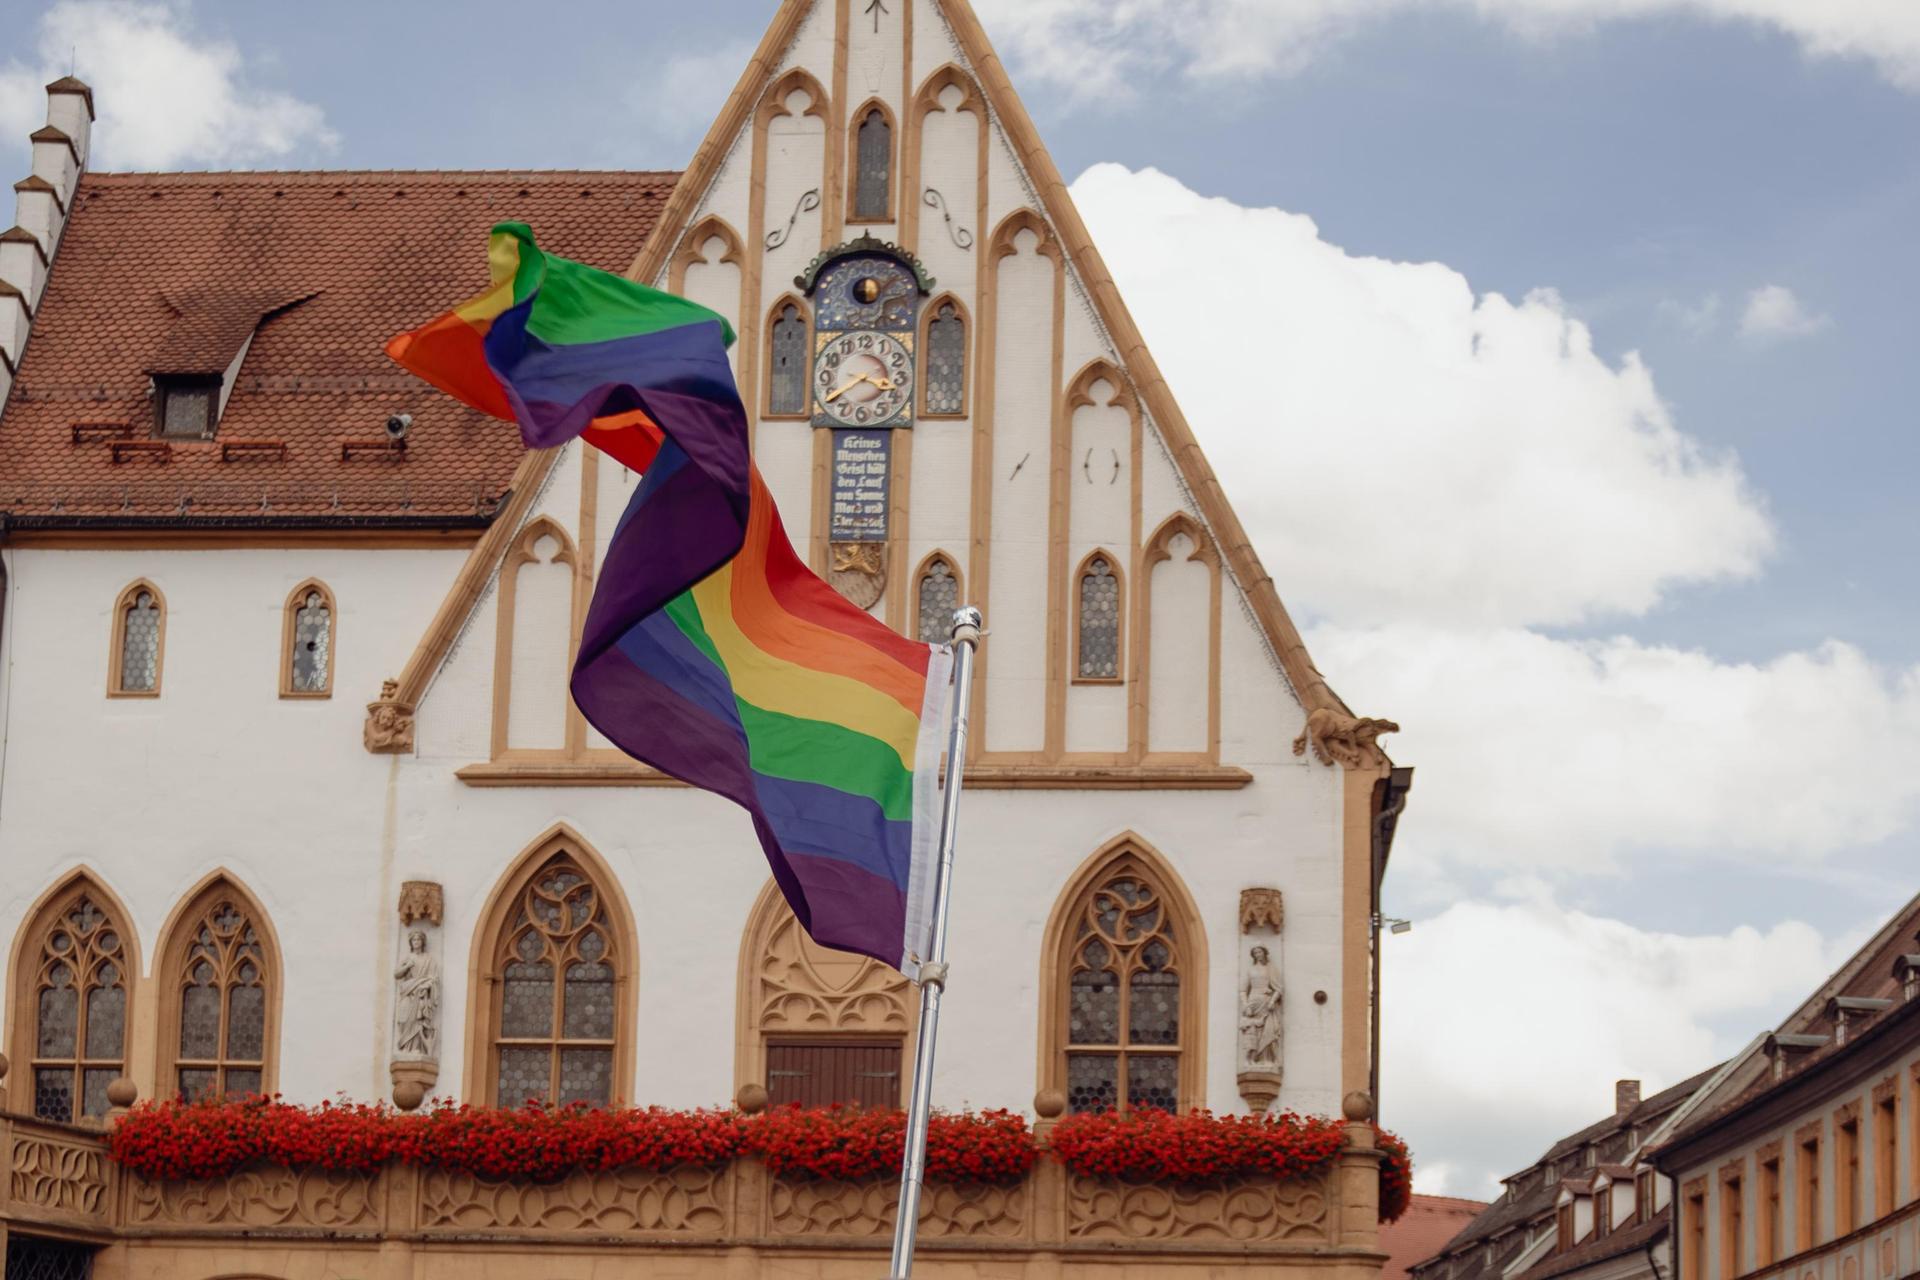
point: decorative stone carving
(1260, 907)
(258, 1198)
(420, 900)
(57, 1177)
(682, 1201)
(865, 1210)
(1349, 741)
(859, 571)
(1260, 1008)
(803, 987)
(418, 995)
(1254, 1210)
(389, 727)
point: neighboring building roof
(1428, 1223)
(1614, 1244)
(1868, 975)
(309, 274)
(1531, 1194)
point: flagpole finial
(966, 625)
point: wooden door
(818, 1073)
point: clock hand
(845, 387)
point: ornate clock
(866, 309)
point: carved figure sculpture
(1351, 741)
(1260, 1013)
(417, 1001)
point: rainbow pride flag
(711, 651)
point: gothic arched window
(306, 666)
(1097, 620)
(222, 975)
(554, 1026)
(945, 362)
(139, 642)
(78, 965)
(1127, 982)
(787, 360)
(937, 596)
(873, 166)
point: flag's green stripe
(819, 751)
(832, 755)
(581, 304)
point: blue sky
(1703, 670)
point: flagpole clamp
(933, 974)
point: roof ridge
(130, 176)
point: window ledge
(986, 777)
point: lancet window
(222, 980)
(307, 664)
(945, 362)
(873, 166)
(139, 636)
(556, 1018)
(938, 597)
(78, 999)
(787, 361)
(1098, 633)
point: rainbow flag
(711, 652)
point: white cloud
(1696, 319)
(689, 91)
(1506, 1024)
(168, 96)
(1774, 311)
(1401, 450)
(1560, 757)
(1216, 38)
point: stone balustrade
(728, 1222)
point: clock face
(863, 379)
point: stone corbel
(389, 727)
(1348, 741)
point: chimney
(42, 201)
(1626, 1096)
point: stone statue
(1260, 1014)
(416, 1017)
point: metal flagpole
(933, 974)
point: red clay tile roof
(1615, 1244)
(1421, 1232)
(171, 272)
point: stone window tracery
(1097, 647)
(139, 638)
(307, 663)
(222, 977)
(556, 1021)
(945, 375)
(78, 998)
(936, 597)
(1123, 965)
(873, 166)
(787, 361)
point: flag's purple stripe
(556, 390)
(688, 529)
(661, 649)
(853, 909)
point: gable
(992, 487)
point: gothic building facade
(293, 798)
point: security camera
(397, 424)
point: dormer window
(185, 405)
(1906, 971)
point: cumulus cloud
(1560, 757)
(168, 95)
(1775, 311)
(1506, 1024)
(1225, 38)
(1403, 450)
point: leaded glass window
(1099, 657)
(80, 1010)
(873, 166)
(222, 982)
(787, 363)
(140, 643)
(945, 376)
(310, 663)
(1122, 992)
(554, 1029)
(939, 597)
